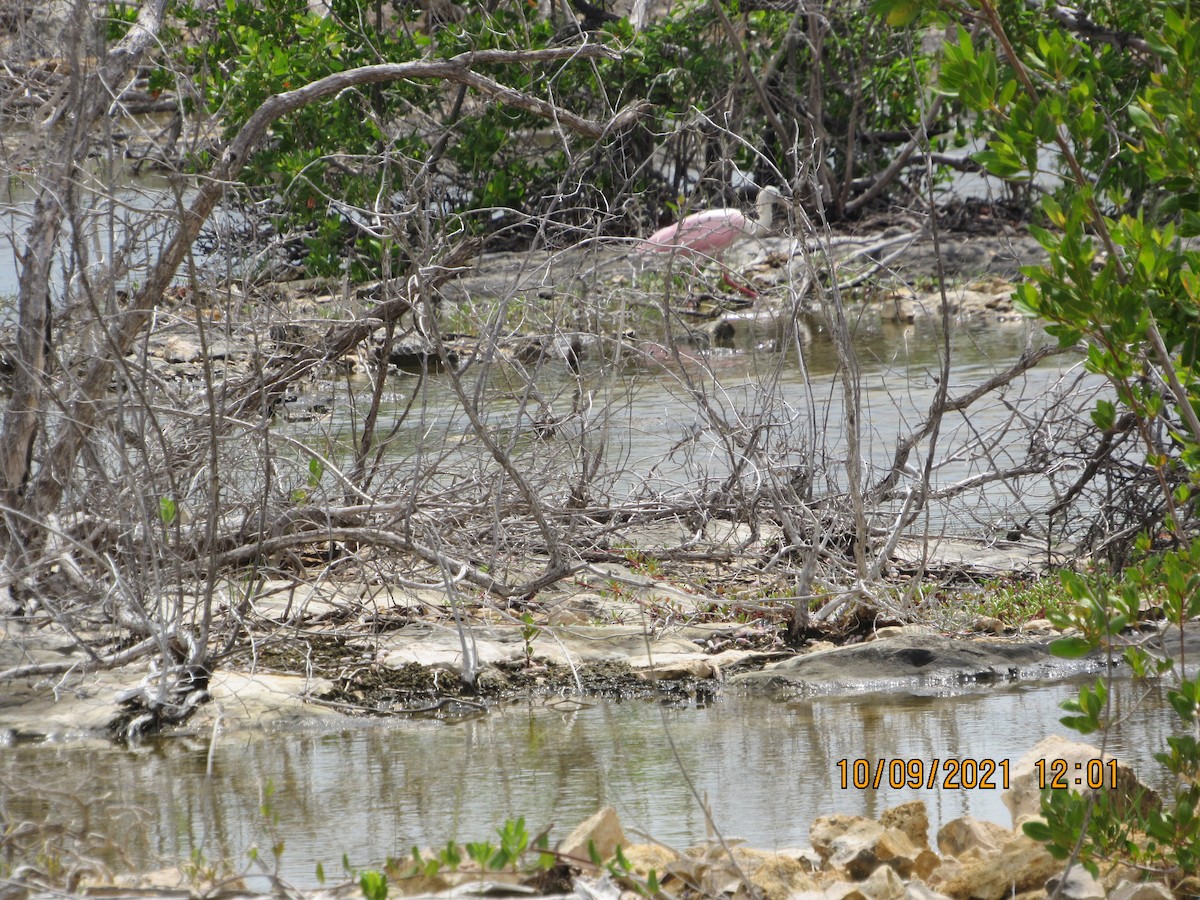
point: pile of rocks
(889, 858)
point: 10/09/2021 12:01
(970, 774)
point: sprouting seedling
(316, 470)
(529, 634)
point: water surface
(374, 789)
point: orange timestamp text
(948, 774)
(1060, 774)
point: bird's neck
(766, 215)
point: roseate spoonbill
(713, 231)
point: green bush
(1122, 126)
(847, 86)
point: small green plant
(621, 869)
(529, 634)
(166, 510)
(374, 884)
(316, 470)
(515, 842)
(199, 871)
(1015, 601)
(642, 563)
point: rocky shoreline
(417, 667)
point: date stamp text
(950, 774)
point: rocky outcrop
(918, 663)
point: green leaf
(373, 885)
(899, 13)
(1038, 831)
(1104, 415)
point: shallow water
(657, 440)
(374, 789)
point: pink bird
(711, 232)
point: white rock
(847, 842)
(1039, 626)
(960, 836)
(1020, 865)
(883, 884)
(602, 830)
(912, 818)
(1126, 890)
(1078, 885)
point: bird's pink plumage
(708, 232)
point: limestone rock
(775, 876)
(1021, 865)
(171, 879)
(847, 842)
(909, 662)
(860, 846)
(1128, 891)
(1023, 798)
(895, 849)
(180, 350)
(959, 836)
(1039, 626)
(1078, 885)
(883, 884)
(843, 890)
(912, 818)
(644, 857)
(680, 671)
(915, 890)
(603, 831)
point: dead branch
(83, 406)
(883, 490)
